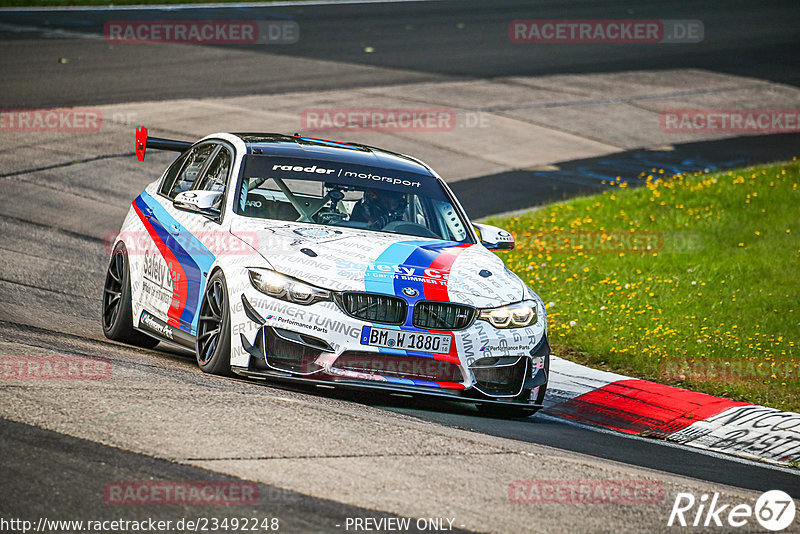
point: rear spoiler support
(143, 143)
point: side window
(172, 173)
(217, 174)
(191, 169)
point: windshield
(347, 195)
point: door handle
(174, 229)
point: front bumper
(397, 390)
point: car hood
(344, 259)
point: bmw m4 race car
(327, 263)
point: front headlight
(512, 316)
(285, 288)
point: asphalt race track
(318, 458)
(411, 41)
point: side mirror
(202, 202)
(494, 238)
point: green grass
(720, 283)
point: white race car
(336, 264)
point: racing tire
(117, 312)
(213, 342)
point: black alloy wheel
(213, 328)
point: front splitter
(394, 389)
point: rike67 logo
(774, 511)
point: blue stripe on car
(193, 255)
(418, 255)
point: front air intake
(442, 315)
(408, 367)
(373, 307)
(495, 378)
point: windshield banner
(346, 174)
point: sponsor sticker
(343, 173)
(505, 348)
(155, 325)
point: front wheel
(117, 312)
(213, 344)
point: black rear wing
(143, 142)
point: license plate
(400, 339)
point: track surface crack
(348, 456)
(66, 164)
